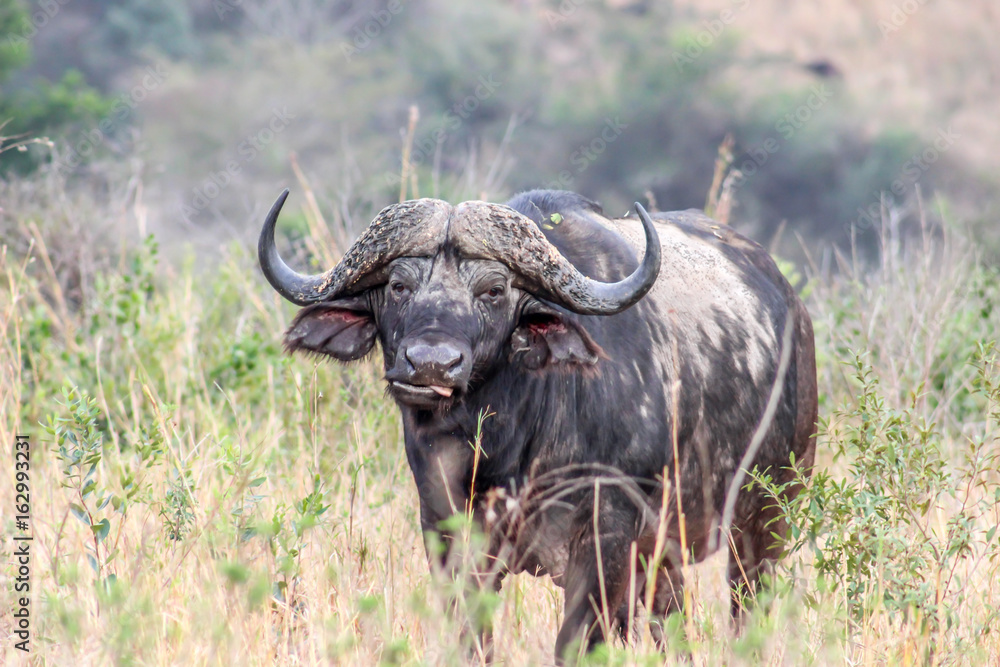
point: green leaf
(109, 582)
(79, 513)
(369, 603)
(101, 529)
(235, 573)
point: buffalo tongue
(444, 391)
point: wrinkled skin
(587, 402)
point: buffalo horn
(497, 232)
(412, 228)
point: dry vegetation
(248, 508)
(199, 498)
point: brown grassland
(199, 498)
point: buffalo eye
(493, 293)
(398, 288)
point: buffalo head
(450, 292)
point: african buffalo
(602, 367)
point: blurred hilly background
(196, 112)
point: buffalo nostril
(441, 357)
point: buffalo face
(441, 325)
(450, 292)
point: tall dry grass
(247, 508)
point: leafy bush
(29, 112)
(13, 52)
(877, 533)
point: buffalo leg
(445, 556)
(668, 599)
(443, 494)
(753, 554)
(583, 626)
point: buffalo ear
(547, 339)
(342, 329)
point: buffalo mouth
(421, 395)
